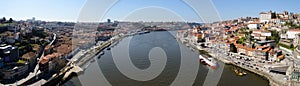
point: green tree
(298, 27)
(291, 46)
(10, 20)
(241, 40)
(243, 29)
(4, 19)
(290, 24)
(274, 36)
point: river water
(156, 59)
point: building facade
(266, 17)
(9, 53)
(14, 70)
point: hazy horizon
(69, 10)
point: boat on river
(239, 72)
(208, 61)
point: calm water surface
(104, 70)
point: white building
(277, 21)
(296, 40)
(253, 25)
(195, 30)
(266, 17)
(283, 36)
(275, 28)
(262, 32)
(291, 34)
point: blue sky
(69, 10)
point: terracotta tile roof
(227, 30)
(233, 28)
(254, 23)
(280, 57)
(294, 30)
(248, 48)
(199, 35)
(271, 51)
(261, 47)
(48, 47)
(241, 34)
(256, 34)
(64, 49)
(46, 58)
(262, 13)
(236, 38)
(285, 19)
(244, 47)
(266, 50)
(44, 61)
(239, 45)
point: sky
(137, 10)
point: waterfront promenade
(218, 51)
(81, 60)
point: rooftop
(280, 57)
(4, 46)
(29, 55)
(64, 49)
(48, 57)
(266, 50)
(262, 13)
(293, 30)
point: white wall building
(264, 17)
(262, 32)
(252, 25)
(283, 36)
(296, 40)
(291, 34)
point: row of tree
(3, 20)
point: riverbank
(268, 77)
(271, 80)
(93, 53)
(195, 73)
(265, 76)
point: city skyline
(67, 10)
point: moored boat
(101, 53)
(208, 61)
(93, 60)
(146, 31)
(108, 48)
(239, 72)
